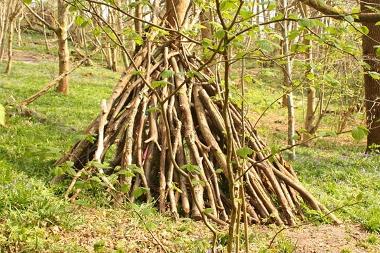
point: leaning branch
(334, 13)
(49, 26)
(51, 84)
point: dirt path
(32, 57)
(329, 238)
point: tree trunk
(176, 12)
(18, 28)
(287, 69)
(371, 86)
(14, 10)
(44, 27)
(5, 29)
(10, 46)
(63, 47)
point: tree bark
(287, 69)
(5, 28)
(10, 46)
(371, 86)
(176, 12)
(63, 47)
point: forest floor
(35, 218)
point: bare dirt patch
(331, 238)
(31, 57)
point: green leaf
(310, 76)
(100, 165)
(264, 45)
(136, 72)
(349, 18)
(96, 179)
(191, 168)
(126, 173)
(244, 152)
(79, 20)
(374, 75)
(364, 29)
(99, 246)
(27, 1)
(159, 84)
(58, 171)
(208, 211)
(2, 115)
(310, 23)
(275, 149)
(377, 50)
(174, 187)
(136, 169)
(271, 6)
(153, 109)
(359, 133)
(305, 22)
(139, 191)
(245, 13)
(167, 73)
(218, 171)
(196, 182)
(219, 34)
(279, 16)
(227, 5)
(67, 167)
(150, 225)
(331, 80)
(206, 42)
(125, 188)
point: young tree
(371, 82)
(60, 28)
(14, 9)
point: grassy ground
(34, 217)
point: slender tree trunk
(44, 27)
(63, 47)
(138, 24)
(372, 86)
(310, 90)
(113, 50)
(120, 28)
(10, 46)
(2, 21)
(176, 12)
(19, 20)
(6, 24)
(14, 10)
(287, 69)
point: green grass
(30, 208)
(342, 176)
(29, 148)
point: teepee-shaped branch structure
(131, 129)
